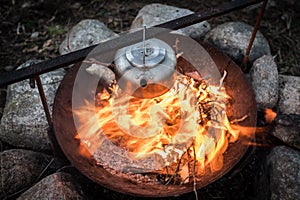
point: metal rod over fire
(251, 41)
(77, 56)
(144, 46)
(33, 71)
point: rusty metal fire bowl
(242, 103)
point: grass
(55, 30)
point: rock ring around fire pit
(242, 104)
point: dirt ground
(34, 29)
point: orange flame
(270, 115)
(190, 114)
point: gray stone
(153, 14)
(8, 68)
(24, 123)
(86, 33)
(289, 94)
(102, 72)
(233, 38)
(2, 101)
(284, 173)
(56, 186)
(287, 129)
(22, 168)
(264, 79)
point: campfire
(182, 139)
(139, 127)
(175, 135)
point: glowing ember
(270, 115)
(177, 134)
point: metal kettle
(146, 69)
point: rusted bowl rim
(237, 86)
